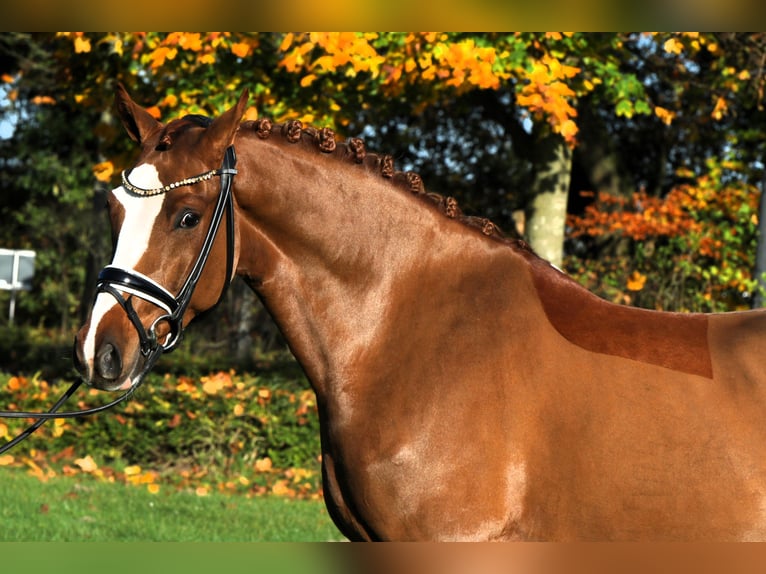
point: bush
(234, 432)
(691, 250)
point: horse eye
(188, 220)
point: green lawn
(83, 510)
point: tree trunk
(596, 157)
(241, 338)
(546, 212)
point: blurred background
(634, 161)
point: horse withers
(467, 390)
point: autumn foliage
(221, 432)
(692, 249)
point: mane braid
(353, 149)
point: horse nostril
(108, 364)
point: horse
(466, 388)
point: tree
(506, 123)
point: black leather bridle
(116, 281)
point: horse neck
(336, 252)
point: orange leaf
(241, 50)
(636, 281)
(6, 459)
(286, 42)
(308, 80)
(721, 107)
(280, 488)
(43, 100)
(665, 115)
(251, 113)
(103, 171)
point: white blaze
(140, 215)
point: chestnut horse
(467, 389)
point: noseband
(116, 281)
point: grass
(66, 509)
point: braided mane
(353, 149)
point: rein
(113, 280)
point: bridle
(116, 281)
(113, 279)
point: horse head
(165, 219)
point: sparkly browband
(164, 189)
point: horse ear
(223, 129)
(137, 121)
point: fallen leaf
(86, 464)
(263, 464)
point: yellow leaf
(153, 488)
(239, 410)
(132, 470)
(263, 464)
(673, 46)
(636, 281)
(4, 431)
(86, 464)
(59, 426)
(6, 459)
(103, 171)
(81, 45)
(202, 491)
